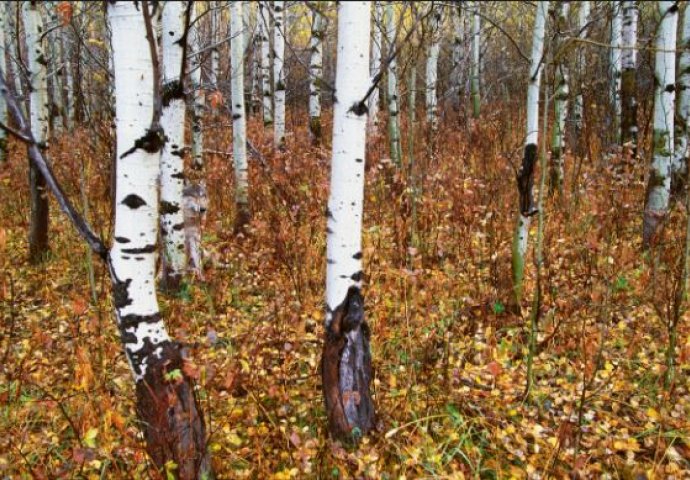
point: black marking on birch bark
(359, 108)
(171, 91)
(328, 213)
(525, 180)
(357, 256)
(359, 160)
(178, 153)
(122, 240)
(673, 8)
(280, 85)
(133, 320)
(670, 88)
(178, 226)
(330, 261)
(178, 175)
(133, 201)
(236, 116)
(152, 142)
(357, 276)
(169, 208)
(145, 249)
(121, 293)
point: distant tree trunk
(199, 98)
(374, 98)
(432, 71)
(525, 177)
(457, 56)
(680, 155)
(476, 45)
(56, 114)
(560, 105)
(38, 102)
(279, 74)
(214, 73)
(255, 105)
(166, 404)
(315, 74)
(3, 104)
(659, 186)
(583, 22)
(265, 64)
(239, 126)
(173, 259)
(392, 94)
(68, 80)
(346, 359)
(629, 84)
(616, 57)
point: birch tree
(583, 24)
(265, 65)
(38, 112)
(278, 74)
(659, 184)
(315, 74)
(560, 104)
(215, 54)
(346, 359)
(525, 177)
(616, 65)
(432, 70)
(198, 97)
(374, 98)
(629, 83)
(680, 153)
(3, 105)
(172, 156)
(457, 54)
(239, 127)
(392, 93)
(476, 45)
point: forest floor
(449, 355)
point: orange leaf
(494, 368)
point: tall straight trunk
(346, 359)
(432, 71)
(560, 105)
(392, 94)
(457, 56)
(239, 127)
(199, 99)
(38, 108)
(172, 157)
(582, 24)
(255, 74)
(265, 63)
(659, 186)
(680, 153)
(166, 404)
(476, 45)
(3, 103)
(279, 74)
(315, 73)
(68, 78)
(629, 83)
(525, 177)
(215, 53)
(375, 97)
(616, 65)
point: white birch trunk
(347, 362)
(560, 110)
(375, 97)
(315, 74)
(526, 173)
(279, 74)
(616, 66)
(583, 23)
(68, 79)
(629, 71)
(172, 156)
(392, 93)
(659, 187)
(457, 56)
(55, 54)
(239, 127)
(476, 44)
(38, 113)
(265, 63)
(3, 104)
(432, 71)
(680, 154)
(199, 98)
(215, 54)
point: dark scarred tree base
(170, 417)
(242, 219)
(346, 371)
(315, 129)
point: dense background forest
(515, 306)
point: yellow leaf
(90, 437)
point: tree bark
(659, 184)
(392, 94)
(680, 155)
(579, 107)
(629, 83)
(476, 44)
(525, 177)
(346, 359)
(432, 71)
(265, 65)
(279, 74)
(239, 126)
(560, 106)
(375, 97)
(616, 65)
(38, 106)
(315, 74)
